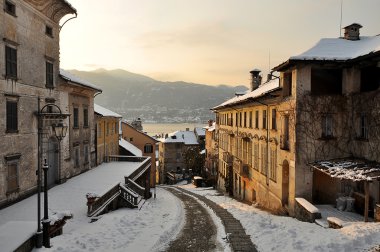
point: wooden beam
(366, 200)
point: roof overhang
(53, 9)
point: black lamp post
(60, 131)
(46, 221)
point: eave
(53, 9)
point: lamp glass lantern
(60, 130)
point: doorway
(285, 183)
(52, 161)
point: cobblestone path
(237, 237)
(199, 232)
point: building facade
(107, 133)
(29, 56)
(322, 106)
(171, 154)
(146, 143)
(211, 155)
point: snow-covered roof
(340, 49)
(105, 112)
(349, 169)
(75, 79)
(260, 91)
(200, 131)
(130, 147)
(210, 128)
(187, 137)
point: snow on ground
(157, 221)
(277, 233)
(148, 229)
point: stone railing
(129, 195)
(98, 203)
(134, 186)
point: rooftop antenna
(269, 61)
(341, 15)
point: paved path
(199, 232)
(237, 237)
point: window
(12, 178)
(76, 118)
(237, 118)
(99, 130)
(85, 117)
(49, 75)
(274, 125)
(245, 119)
(148, 148)
(10, 8)
(264, 159)
(250, 119)
(287, 84)
(76, 157)
(108, 129)
(327, 126)
(284, 140)
(86, 154)
(178, 155)
(11, 62)
(12, 118)
(326, 81)
(363, 127)
(264, 119)
(116, 128)
(256, 156)
(131, 139)
(240, 119)
(257, 119)
(49, 31)
(273, 165)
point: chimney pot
(256, 79)
(352, 31)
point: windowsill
(49, 86)
(285, 148)
(362, 139)
(49, 35)
(11, 77)
(11, 131)
(85, 127)
(10, 13)
(273, 130)
(13, 191)
(327, 138)
(76, 128)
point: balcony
(227, 157)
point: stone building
(171, 150)
(211, 158)
(107, 136)
(79, 152)
(144, 142)
(323, 107)
(29, 74)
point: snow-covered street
(161, 220)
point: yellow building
(107, 133)
(145, 143)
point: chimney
(137, 124)
(351, 32)
(210, 122)
(187, 129)
(256, 79)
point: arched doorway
(52, 161)
(285, 182)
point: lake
(159, 128)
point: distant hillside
(133, 95)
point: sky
(203, 41)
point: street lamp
(60, 131)
(48, 112)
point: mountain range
(138, 96)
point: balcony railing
(227, 157)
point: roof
(130, 147)
(200, 131)
(337, 49)
(263, 89)
(349, 169)
(186, 137)
(105, 112)
(141, 132)
(75, 79)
